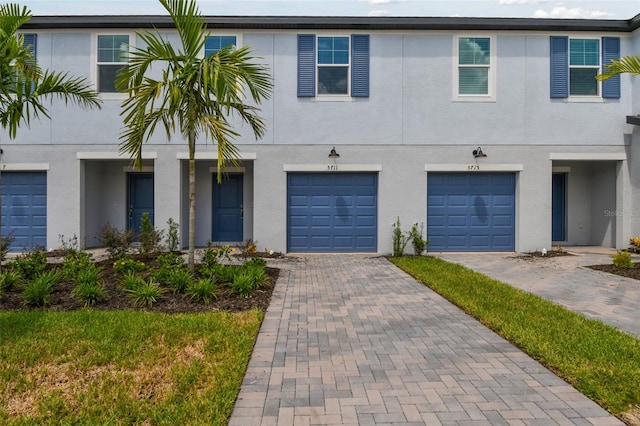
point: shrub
(146, 293)
(418, 242)
(5, 243)
(75, 262)
(91, 274)
(150, 237)
(250, 246)
(173, 236)
(243, 284)
(400, 239)
(179, 279)
(89, 292)
(213, 255)
(622, 260)
(37, 291)
(30, 264)
(203, 290)
(128, 264)
(131, 281)
(9, 280)
(117, 242)
(68, 245)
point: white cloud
(379, 13)
(564, 12)
(519, 1)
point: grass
(598, 360)
(122, 367)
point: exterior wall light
(477, 153)
(333, 154)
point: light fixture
(333, 154)
(477, 153)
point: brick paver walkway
(350, 339)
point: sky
(589, 9)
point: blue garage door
(471, 211)
(24, 208)
(332, 212)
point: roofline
(336, 23)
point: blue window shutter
(559, 67)
(30, 40)
(610, 50)
(360, 65)
(306, 65)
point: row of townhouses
(492, 132)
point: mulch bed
(171, 303)
(625, 272)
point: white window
(584, 65)
(333, 65)
(112, 53)
(474, 69)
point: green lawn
(598, 360)
(122, 367)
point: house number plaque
(473, 167)
(332, 167)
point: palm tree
(195, 94)
(24, 86)
(626, 64)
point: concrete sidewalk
(350, 339)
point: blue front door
(558, 206)
(140, 199)
(227, 209)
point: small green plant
(37, 291)
(179, 279)
(150, 237)
(255, 261)
(131, 280)
(146, 293)
(173, 236)
(250, 246)
(68, 245)
(418, 242)
(74, 262)
(127, 264)
(225, 273)
(9, 280)
(203, 290)
(258, 275)
(400, 239)
(622, 260)
(213, 255)
(117, 242)
(30, 264)
(243, 284)
(89, 292)
(91, 274)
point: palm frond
(189, 23)
(626, 64)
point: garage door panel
(471, 211)
(24, 208)
(348, 204)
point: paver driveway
(350, 339)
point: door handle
(241, 211)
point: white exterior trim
(473, 167)
(329, 167)
(561, 169)
(214, 156)
(24, 167)
(105, 155)
(133, 169)
(587, 156)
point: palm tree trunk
(192, 204)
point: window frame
(598, 68)
(95, 69)
(333, 96)
(490, 96)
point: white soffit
(588, 156)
